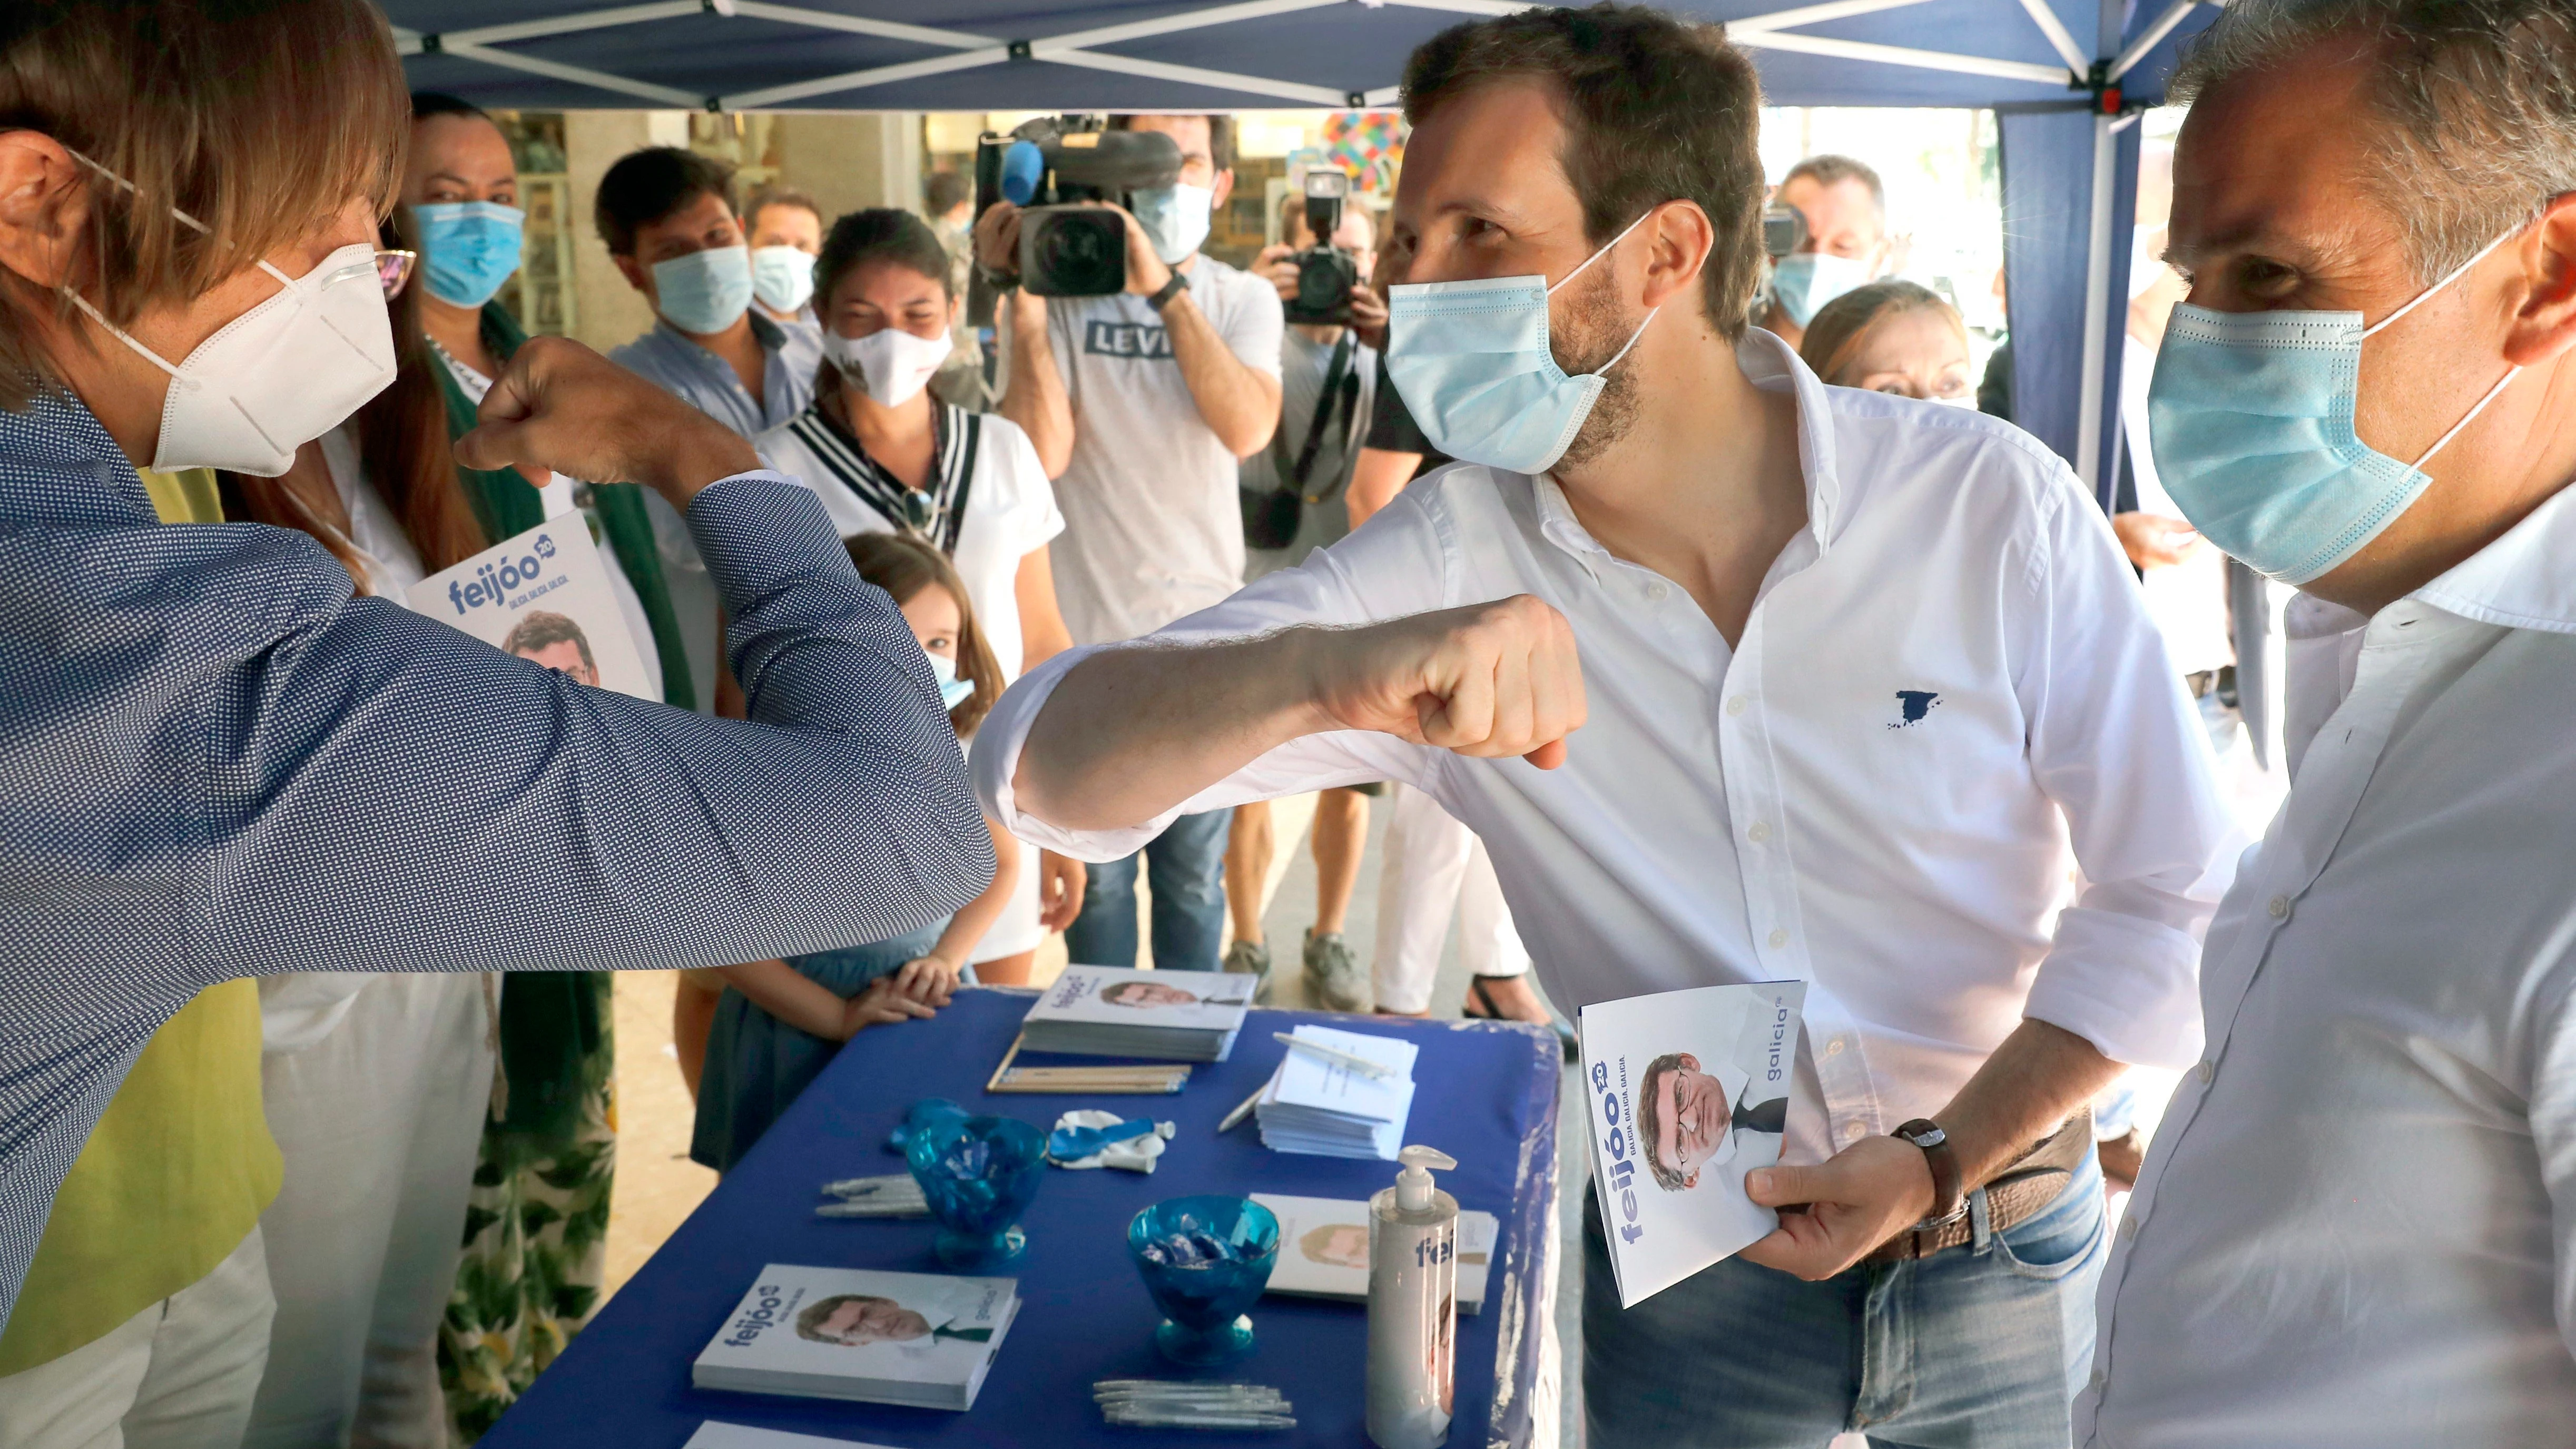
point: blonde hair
(903, 564)
(259, 118)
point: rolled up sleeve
(2122, 751)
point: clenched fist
(560, 406)
(1488, 680)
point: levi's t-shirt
(1152, 530)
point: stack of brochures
(716, 1434)
(923, 1339)
(1319, 1103)
(1108, 1011)
(1324, 1249)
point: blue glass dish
(928, 1109)
(979, 1174)
(1205, 1259)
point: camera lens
(1079, 253)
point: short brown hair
(1835, 332)
(776, 195)
(648, 185)
(1657, 109)
(1220, 133)
(1832, 170)
(539, 631)
(260, 118)
(903, 564)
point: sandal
(1478, 997)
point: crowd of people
(1678, 602)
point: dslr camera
(1784, 228)
(1049, 168)
(1325, 273)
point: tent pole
(2097, 305)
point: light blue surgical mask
(1801, 282)
(2251, 414)
(704, 291)
(953, 691)
(1175, 218)
(782, 277)
(1472, 362)
(468, 249)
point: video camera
(1325, 272)
(1049, 168)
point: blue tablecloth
(1488, 1097)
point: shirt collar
(2525, 579)
(56, 435)
(1771, 365)
(772, 336)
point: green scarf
(553, 1023)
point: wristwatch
(1948, 1203)
(1173, 288)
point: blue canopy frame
(2065, 75)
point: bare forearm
(1375, 480)
(2032, 1083)
(1130, 733)
(1043, 634)
(1239, 403)
(790, 995)
(1034, 398)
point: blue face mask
(705, 291)
(2251, 414)
(782, 277)
(468, 249)
(1175, 218)
(1801, 282)
(953, 691)
(1472, 362)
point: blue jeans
(1186, 865)
(1978, 1347)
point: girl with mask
(1892, 337)
(888, 457)
(781, 1023)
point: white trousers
(1434, 866)
(178, 1375)
(378, 1122)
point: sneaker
(1334, 978)
(1249, 958)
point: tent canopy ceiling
(1019, 55)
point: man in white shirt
(1754, 679)
(1163, 388)
(2353, 1228)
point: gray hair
(2479, 97)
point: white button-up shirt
(1947, 680)
(2352, 1229)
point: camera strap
(1342, 389)
(937, 513)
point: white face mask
(891, 364)
(279, 375)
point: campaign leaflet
(543, 596)
(1324, 1249)
(716, 1434)
(1686, 1092)
(1188, 1016)
(924, 1339)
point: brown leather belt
(2013, 1196)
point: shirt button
(2207, 1071)
(2279, 907)
(1834, 1048)
(1658, 592)
(1852, 1131)
(1736, 705)
(1779, 937)
(1758, 832)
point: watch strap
(1947, 1199)
(1170, 289)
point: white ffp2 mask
(279, 375)
(892, 365)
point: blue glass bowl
(979, 1174)
(1205, 1259)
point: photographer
(1143, 402)
(1295, 500)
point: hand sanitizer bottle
(1412, 1306)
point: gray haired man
(2355, 1226)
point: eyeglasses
(394, 269)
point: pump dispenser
(1412, 1306)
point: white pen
(1361, 1065)
(1242, 1109)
